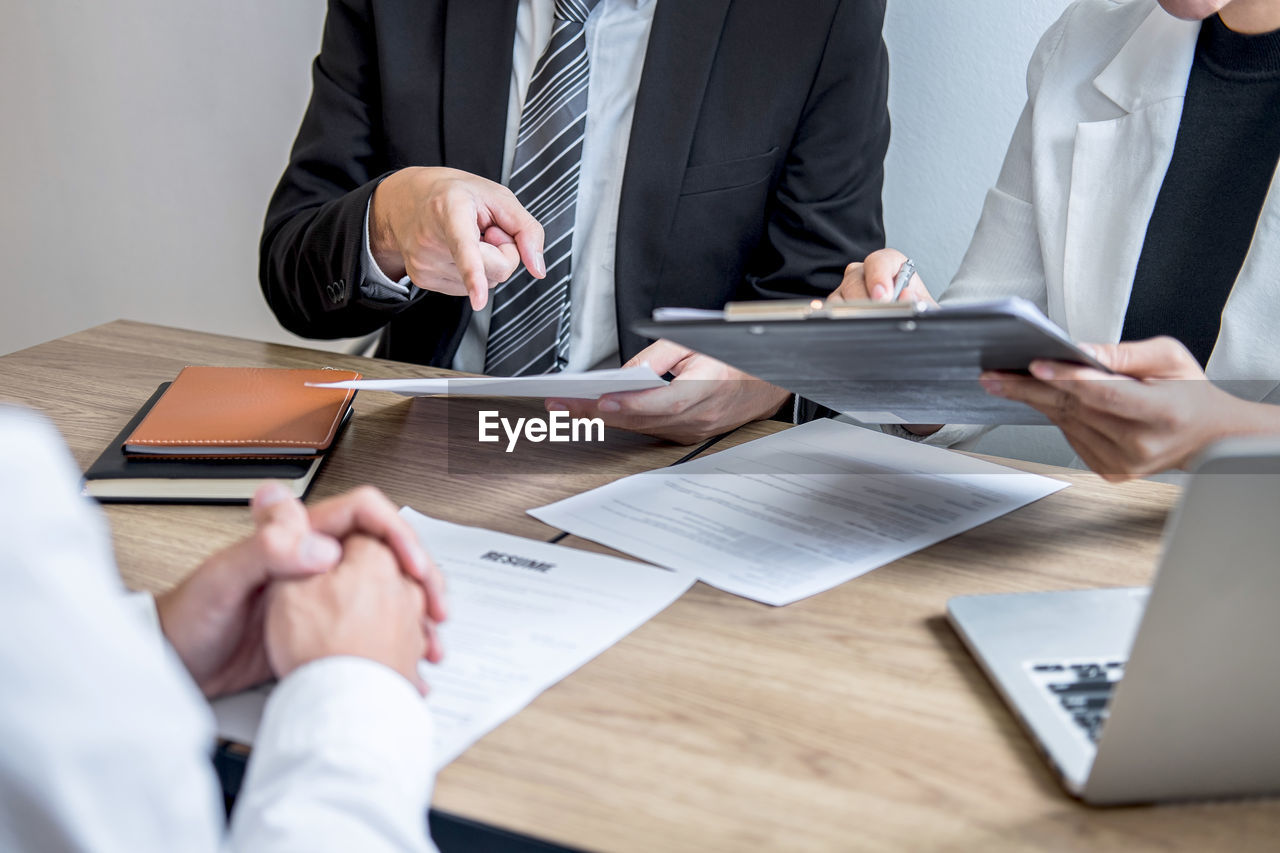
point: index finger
(1121, 396)
(273, 502)
(366, 510)
(879, 272)
(1161, 357)
(661, 355)
(462, 236)
(511, 217)
(657, 402)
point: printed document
(523, 615)
(589, 385)
(798, 512)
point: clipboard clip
(818, 309)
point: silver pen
(903, 278)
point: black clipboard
(880, 362)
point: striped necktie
(529, 326)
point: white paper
(876, 417)
(577, 386)
(671, 315)
(798, 512)
(513, 630)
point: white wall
(957, 85)
(143, 138)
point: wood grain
(422, 452)
(851, 720)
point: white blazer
(1065, 224)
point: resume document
(522, 615)
(798, 512)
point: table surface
(90, 384)
(854, 719)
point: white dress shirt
(617, 33)
(105, 742)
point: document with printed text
(589, 385)
(523, 615)
(787, 516)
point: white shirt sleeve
(342, 762)
(143, 607)
(959, 436)
(374, 283)
(105, 742)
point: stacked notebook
(215, 434)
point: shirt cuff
(143, 607)
(949, 436)
(374, 283)
(345, 749)
(352, 705)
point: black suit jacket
(754, 169)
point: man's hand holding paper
(706, 398)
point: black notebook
(117, 477)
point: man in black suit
(731, 150)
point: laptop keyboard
(1082, 689)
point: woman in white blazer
(1066, 224)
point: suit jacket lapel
(476, 69)
(682, 48)
(1118, 167)
(476, 92)
(1246, 348)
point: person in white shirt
(105, 731)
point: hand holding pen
(906, 272)
(885, 276)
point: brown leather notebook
(243, 411)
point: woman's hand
(1158, 413)
(873, 279)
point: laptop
(1167, 693)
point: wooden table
(851, 720)
(90, 384)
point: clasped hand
(345, 577)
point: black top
(1207, 210)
